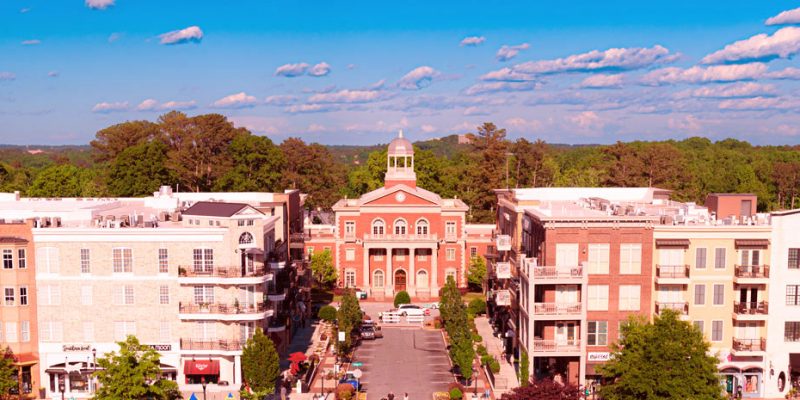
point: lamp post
(203, 383)
(94, 369)
(475, 378)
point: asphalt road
(411, 360)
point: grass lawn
(324, 296)
(469, 296)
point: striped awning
(752, 243)
(682, 243)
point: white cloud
(238, 100)
(474, 110)
(280, 100)
(602, 81)
(186, 35)
(618, 59)
(427, 128)
(320, 69)
(7, 76)
(348, 96)
(786, 73)
(418, 78)
(31, 42)
(697, 74)
(744, 89)
(757, 104)
(104, 107)
(785, 18)
(687, 123)
(311, 108)
(178, 105)
(784, 43)
(24, 10)
(147, 105)
(473, 41)
(53, 74)
(508, 52)
(291, 70)
(506, 75)
(491, 87)
(524, 125)
(99, 4)
(114, 37)
(587, 120)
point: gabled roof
(215, 209)
(384, 191)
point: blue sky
(355, 72)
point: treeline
(207, 153)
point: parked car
(376, 329)
(350, 379)
(367, 332)
(433, 306)
(411, 309)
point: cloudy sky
(355, 72)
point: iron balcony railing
(672, 271)
(556, 272)
(211, 344)
(401, 237)
(680, 307)
(222, 308)
(751, 307)
(752, 271)
(557, 308)
(750, 344)
(550, 345)
(190, 271)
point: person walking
(405, 396)
(390, 396)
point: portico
(400, 270)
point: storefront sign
(598, 356)
(76, 347)
(503, 270)
(160, 347)
(502, 298)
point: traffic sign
(358, 364)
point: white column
(389, 281)
(237, 371)
(411, 286)
(366, 277)
(434, 279)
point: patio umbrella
(297, 357)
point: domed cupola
(400, 163)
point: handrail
(189, 271)
(672, 271)
(751, 271)
(751, 307)
(411, 237)
(556, 308)
(681, 307)
(759, 344)
(222, 308)
(211, 344)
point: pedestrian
(405, 396)
(390, 396)
(283, 392)
(487, 394)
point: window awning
(682, 243)
(201, 367)
(752, 243)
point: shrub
(477, 338)
(494, 365)
(345, 391)
(327, 313)
(477, 306)
(481, 350)
(456, 394)
(401, 297)
(486, 359)
(437, 323)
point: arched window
(378, 280)
(422, 227)
(378, 227)
(400, 227)
(422, 278)
(246, 238)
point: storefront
(748, 381)
(198, 371)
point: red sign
(201, 367)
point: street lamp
(94, 369)
(203, 383)
(475, 378)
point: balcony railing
(189, 271)
(557, 272)
(297, 237)
(556, 345)
(680, 307)
(752, 271)
(405, 237)
(557, 308)
(221, 308)
(750, 344)
(672, 271)
(751, 307)
(211, 344)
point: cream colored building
(191, 277)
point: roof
(401, 146)
(12, 240)
(615, 194)
(215, 209)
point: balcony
(672, 274)
(556, 273)
(401, 238)
(750, 310)
(749, 346)
(224, 312)
(297, 240)
(754, 274)
(236, 274)
(557, 309)
(681, 308)
(556, 346)
(503, 242)
(277, 324)
(221, 345)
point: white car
(411, 309)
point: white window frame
(450, 254)
(163, 260)
(49, 295)
(86, 261)
(203, 260)
(630, 259)
(721, 331)
(88, 331)
(25, 331)
(123, 329)
(400, 227)
(598, 333)
(451, 272)
(714, 295)
(378, 227)
(378, 283)
(22, 258)
(350, 254)
(12, 332)
(423, 225)
(697, 257)
(203, 294)
(422, 283)
(122, 260)
(350, 278)
(124, 295)
(47, 260)
(87, 295)
(720, 262)
(165, 331)
(599, 258)
(8, 258)
(23, 296)
(630, 297)
(597, 298)
(9, 296)
(349, 228)
(163, 294)
(450, 228)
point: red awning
(684, 243)
(201, 367)
(752, 243)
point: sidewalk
(506, 379)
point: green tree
(257, 166)
(140, 170)
(545, 389)
(112, 141)
(260, 364)
(133, 374)
(327, 313)
(676, 356)
(456, 323)
(477, 271)
(8, 373)
(524, 368)
(65, 181)
(401, 297)
(313, 169)
(489, 171)
(349, 318)
(323, 269)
